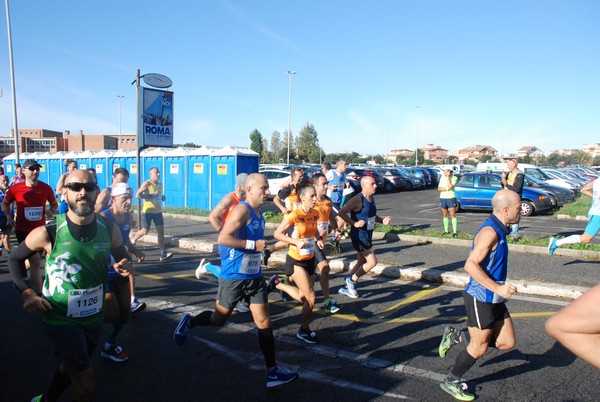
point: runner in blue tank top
(362, 219)
(241, 242)
(488, 319)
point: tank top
(305, 228)
(595, 208)
(124, 228)
(243, 264)
(75, 276)
(152, 204)
(324, 210)
(444, 182)
(367, 213)
(235, 201)
(495, 265)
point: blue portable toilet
(125, 159)
(174, 176)
(99, 161)
(81, 157)
(56, 167)
(198, 177)
(9, 165)
(227, 163)
(42, 159)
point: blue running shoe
(182, 330)
(552, 246)
(272, 284)
(279, 376)
(350, 289)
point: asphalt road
(381, 347)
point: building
(434, 153)
(42, 140)
(531, 151)
(592, 149)
(476, 152)
(405, 153)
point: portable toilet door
(174, 177)
(198, 178)
(223, 172)
(99, 161)
(153, 158)
(9, 165)
(56, 167)
(246, 161)
(44, 167)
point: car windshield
(535, 180)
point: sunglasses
(33, 168)
(75, 186)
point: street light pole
(120, 98)
(417, 150)
(290, 74)
(12, 84)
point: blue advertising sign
(157, 118)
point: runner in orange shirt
(300, 262)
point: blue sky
(500, 73)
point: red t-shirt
(31, 204)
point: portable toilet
(174, 176)
(42, 159)
(81, 157)
(198, 177)
(227, 163)
(56, 167)
(126, 159)
(99, 161)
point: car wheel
(387, 187)
(458, 208)
(408, 185)
(553, 201)
(526, 208)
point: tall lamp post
(120, 140)
(12, 83)
(290, 74)
(417, 149)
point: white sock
(573, 239)
(132, 298)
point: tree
(486, 158)
(265, 157)
(276, 148)
(596, 161)
(307, 149)
(256, 142)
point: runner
(240, 244)
(363, 217)
(4, 228)
(151, 191)
(513, 180)
(72, 303)
(31, 197)
(217, 219)
(71, 166)
(19, 176)
(300, 261)
(591, 189)
(118, 293)
(337, 184)
(448, 200)
(488, 319)
(326, 218)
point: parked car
(419, 174)
(275, 177)
(434, 174)
(476, 190)
(559, 196)
(355, 174)
(393, 179)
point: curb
(458, 279)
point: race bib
(250, 264)
(33, 213)
(85, 302)
(309, 248)
(371, 223)
(323, 228)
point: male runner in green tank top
(72, 299)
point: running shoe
(344, 234)
(307, 336)
(201, 270)
(449, 339)
(350, 289)
(38, 398)
(241, 307)
(164, 255)
(284, 296)
(331, 306)
(182, 330)
(114, 353)
(266, 254)
(137, 306)
(552, 246)
(279, 376)
(272, 284)
(457, 389)
(454, 235)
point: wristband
(250, 244)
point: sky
(371, 76)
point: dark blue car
(476, 190)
